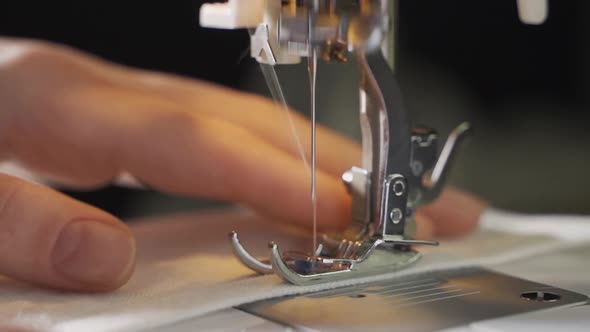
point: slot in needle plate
(429, 302)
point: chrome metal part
(421, 303)
(434, 179)
(248, 260)
(336, 27)
(358, 184)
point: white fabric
(185, 269)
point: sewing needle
(312, 68)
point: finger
(260, 115)
(269, 120)
(454, 213)
(49, 239)
(424, 227)
(222, 161)
(173, 150)
(84, 133)
(255, 113)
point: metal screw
(540, 296)
(396, 216)
(399, 188)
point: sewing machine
(402, 169)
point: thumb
(52, 240)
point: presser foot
(331, 262)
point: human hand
(81, 121)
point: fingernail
(94, 254)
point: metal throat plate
(427, 302)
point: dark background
(523, 87)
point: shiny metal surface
(334, 27)
(429, 302)
(248, 260)
(434, 179)
(385, 133)
(290, 29)
(358, 184)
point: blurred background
(524, 88)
